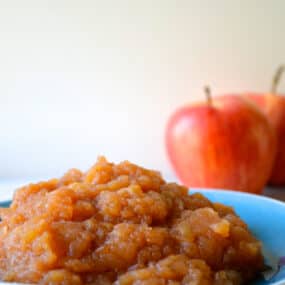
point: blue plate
(265, 217)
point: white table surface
(7, 187)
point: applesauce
(122, 224)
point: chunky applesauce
(122, 224)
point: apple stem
(208, 94)
(276, 78)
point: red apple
(225, 143)
(273, 105)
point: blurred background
(84, 78)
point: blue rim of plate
(5, 204)
(237, 200)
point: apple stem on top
(208, 94)
(276, 78)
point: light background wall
(83, 78)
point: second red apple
(273, 106)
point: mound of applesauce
(123, 224)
